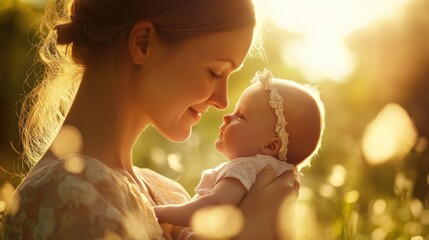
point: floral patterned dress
(95, 202)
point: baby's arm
(227, 191)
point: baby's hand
(159, 213)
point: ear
(272, 147)
(140, 37)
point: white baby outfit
(245, 169)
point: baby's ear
(272, 147)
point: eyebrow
(234, 65)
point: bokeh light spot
(416, 208)
(9, 199)
(378, 234)
(14, 204)
(413, 228)
(158, 155)
(404, 214)
(68, 141)
(402, 185)
(327, 191)
(74, 164)
(421, 145)
(338, 176)
(424, 218)
(306, 194)
(379, 206)
(218, 222)
(351, 197)
(304, 217)
(2, 206)
(174, 162)
(391, 134)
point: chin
(179, 136)
(220, 148)
(176, 132)
(218, 145)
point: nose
(219, 97)
(227, 118)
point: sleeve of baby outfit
(208, 179)
(240, 169)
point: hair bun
(68, 32)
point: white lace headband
(276, 102)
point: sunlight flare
(322, 26)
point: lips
(195, 114)
(198, 111)
(221, 130)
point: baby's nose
(227, 118)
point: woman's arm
(227, 191)
(272, 196)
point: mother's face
(178, 84)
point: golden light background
(370, 61)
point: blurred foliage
(343, 195)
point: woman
(113, 68)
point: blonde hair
(72, 33)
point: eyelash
(240, 116)
(214, 75)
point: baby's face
(250, 127)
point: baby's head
(251, 129)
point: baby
(275, 122)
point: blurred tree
(394, 58)
(16, 35)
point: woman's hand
(269, 207)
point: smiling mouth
(195, 114)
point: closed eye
(241, 116)
(215, 75)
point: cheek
(239, 142)
(243, 136)
(233, 136)
(198, 90)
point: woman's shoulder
(78, 196)
(76, 179)
(72, 168)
